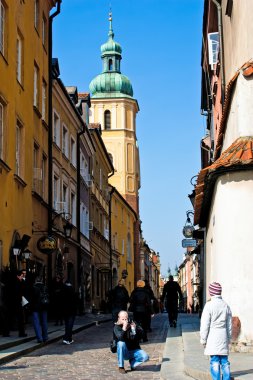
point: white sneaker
(65, 341)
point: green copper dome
(111, 83)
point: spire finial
(110, 34)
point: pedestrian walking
(57, 301)
(151, 311)
(172, 293)
(19, 302)
(128, 335)
(216, 332)
(119, 299)
(69, 308)
(140, 304)
(39, 303)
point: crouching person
(128, 334)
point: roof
(238, 156)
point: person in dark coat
(172, 293)
(69, 309)
(150, 292)
(140, 305)
(57, 301)
(119, 299)
(39, 302)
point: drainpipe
(50, 133)
(110, 229)
(218, 6)
(78, 214)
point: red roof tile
(239, 154)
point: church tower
(113, 106)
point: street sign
(189, 243)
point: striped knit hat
(215, 289)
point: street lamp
(68, 229)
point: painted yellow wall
(122, 224)
(16, 200)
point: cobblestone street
(88, 358)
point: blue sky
(161, 43)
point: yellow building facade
(123, 220)
(23, 121)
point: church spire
(110, 34)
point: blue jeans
(40, 325)
(135, 357)
(216, 362)
(69, 323)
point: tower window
(110, 64)
(107, 119)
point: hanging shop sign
(47, 244)
(189, 243)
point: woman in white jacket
(216, 331)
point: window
(1, 130)
(129, 253)
(37, 172)
(73, 207)
(110, 65)
(18, 148)
(65, 197)
(73, 151)
(65, 140)
(111, 157)
(2, 27)
(36, 86)
(84, 216)
(56, 128)
(44, 30)
(44, 100)
(56, 193)
(229, 8)
(36, 14)
(19, 58)
(213, 48)
(84, 168)
(44, 176)
(107, 120)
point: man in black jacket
(128, 335)
(119, 299)
(141, 305)
(172, 291)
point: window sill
(44, 123)
(20, 84)
(37, 111)
(5, 60)
(73, 166)
(20, 180)
(4, 166)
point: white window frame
(2, 26)
(65, 197)
(19, 57)
(44, 101)
(73, 207)
(65, 140)
(56, 128)
(73, 151)
(36, 86)
(18, 148)
(56, 191)
(36, 14)
(213, 48)
(84, 216)
(44, 175)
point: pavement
(195, 363)
(175, 353)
